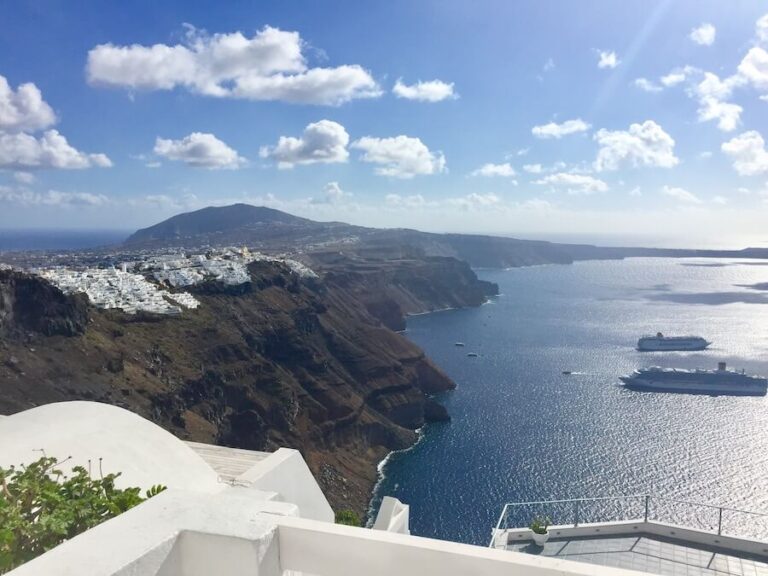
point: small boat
(460, 344)
(472, 354)
(567, 372)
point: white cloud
(332, 194)
(704, 35)
(200, 150)
(574, 183)
(548, 65)
(474, 201)
(400, 157)
(533, 168)
(761, 29)
(24, 177)
(673, 78)
(712, 93)
(432, 91)
(607, 59)
(636, 192)
(754, 68)
(647, 86)
(748, 153)
(321, 142)
(51, 150)
(680, 194)
(645, 144)
(489, 170)
(24, 109)
(51, 198)
(268, 66)
(398, 201)
(554, 130)
(721, 200)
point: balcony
(646, 533)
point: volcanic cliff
(310, 364)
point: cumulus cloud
(554, 130)
(23, 109)
(761, 29)
(680, 194)
(645, 144)
(712, 93)
(24, 177)
(400, 157)
(200, 150)
(23, 112)
(673, 78)
(489, 170)
(754, 68)
(51, 150)
(398, 201)
(321, 142)
(533, 168)
(647, 86)
(432, 91)
(269, 65)
(50, 198)
(332, 194)
(607, 59)
(748, 153)
(573, 183)
(474, 201)
(704, 35)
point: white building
(234, 512)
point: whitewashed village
(155, 284)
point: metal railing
(720, 520)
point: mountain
(268, 230)
(219, 222)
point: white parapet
(393, 516)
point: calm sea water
(523, 431)
(16, 240)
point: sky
(641, 121)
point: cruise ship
(714, 382)
(660, 343)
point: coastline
(370, 514)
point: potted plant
(539, 526)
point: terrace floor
(648, 554)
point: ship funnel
(721, 366)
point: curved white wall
(144, 453)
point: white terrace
(233, 512)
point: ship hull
(682, 387)
(666, 346)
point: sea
(522, 430)
(12, 240)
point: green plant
(540, 524)
(347, 517)
(40, 507)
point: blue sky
(642, 119)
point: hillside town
(153, 283)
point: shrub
(40, 507)
(540, 524)
(348, 518)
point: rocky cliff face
(282, 363)
(28, 305)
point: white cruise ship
(714, 382)
(660, 343)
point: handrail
(644, 515)
(637, 496)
